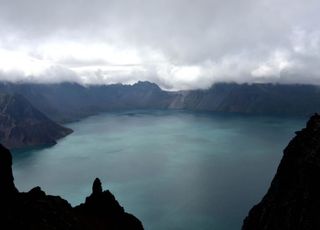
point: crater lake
(171, 169)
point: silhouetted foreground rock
(7, 187)
(35, 210)
(293, 199)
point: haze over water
(171, 169)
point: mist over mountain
(177, 44)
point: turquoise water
(172, 169)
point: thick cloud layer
(179, 44)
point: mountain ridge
(67, 102)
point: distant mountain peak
(146, 84)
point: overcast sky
(178, 44)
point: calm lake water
(172, 169)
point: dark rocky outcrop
(7, 187)
(293, 199)
(102, 209)
(35, 210)
(22, 125)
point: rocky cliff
(22, 125)
(35, 210)
(292, 201)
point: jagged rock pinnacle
(96, 187)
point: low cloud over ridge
(178, 44)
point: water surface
(172, 169)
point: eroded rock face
(293, 199)
(35, 210)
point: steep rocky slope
(292, 201)
(35, 210)
(22, 125)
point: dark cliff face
(293, 199)
(22, 125)
(35, 210)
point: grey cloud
(226, 40)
